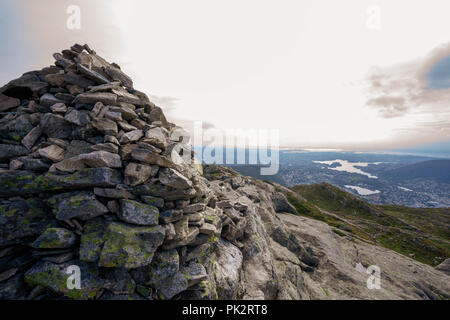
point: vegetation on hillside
(422, 234)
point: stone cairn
(92, 177)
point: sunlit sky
(328, 74)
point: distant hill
(419, 233)
(437, 170)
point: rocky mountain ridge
(93, 175)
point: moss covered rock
(55, 238)
(130, 247)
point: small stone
(169, 216)
(91, 98)
(116, 193)
(195, 273)
(59, 108)
(93, 75)
(82, 204)
(55, 238)
(68, 165)
(138, 213)
(174, 179)
(113, 206)
(136, 173)
(131, 136)
(48, 100)
(7, 103)
(99, 159)
(8, 274)
(170, 232)
(154, 201)
(115, 116)
(108, 147)
(8, 151)
(195, 217)
(196, 207)
(126, 126)
(138, 123)
(156, 137)
(111, 139)
(149, 147)
(53, 153)
(77, 117)
(207, 228)
(15, 164)
(56, 79)
(30, 139)
(55, 126)
(60, 143)
(151, 158)
(106, 126)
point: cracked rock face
(91, 176)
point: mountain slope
(420, 233)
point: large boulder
(130, 247)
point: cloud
(420, 86)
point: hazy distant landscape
(380, 178)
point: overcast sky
(337, 74)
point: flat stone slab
(15, 183)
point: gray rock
(48, 100)
(189, 239)
(81, 204)
(77, 117)
(154, 201)
(195, 273)
(108, 147)
(52, 152)
(59, 108)
(165, 264)
(55, 126)
(138, 213)
(125, 96)
(25, 182)
(117, 75)
(34, 164)
(174, 179)
(116, 193)
(130, 247)
(195, 207)
(156, 137)
(25, 87)
(94, 97)
(99, 159)
(106, 126)
(168, 193)
(136, 173)
(22, 218)
(55, 278)
(7, 103)
(9, 151)
(168, 216)
(131, 136)
(55, 238)
(207, 228)
(92, 75)
(115, 116)
(30, 139)
(149, 157)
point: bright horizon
(325, 75)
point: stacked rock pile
(93, 176)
